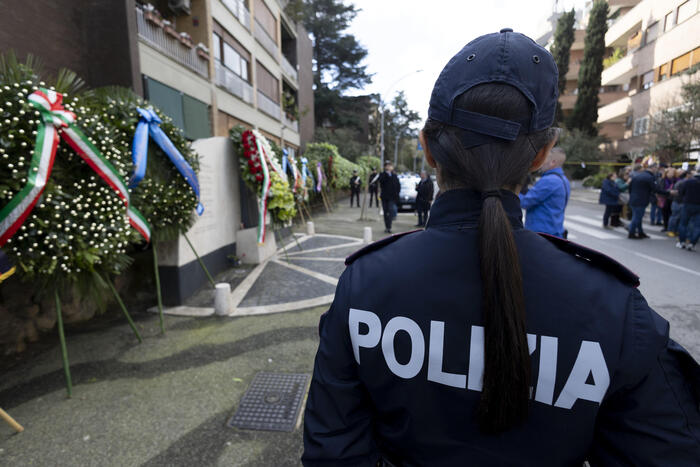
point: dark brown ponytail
(488, 168)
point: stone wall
(214, 233)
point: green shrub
(342, 168)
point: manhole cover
(272, 402)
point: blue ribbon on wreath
(305, 171)
(149, 124)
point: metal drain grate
(272, 402)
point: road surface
(670, 277)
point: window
(641, 126)
(663, 72)
(696, 57)
(267, 83)
(231, 59)
(680, 64)
(668, 21)
(686, 10)
(188, 113)
(648, 79)
(652, 33)
(264, 17)
(216, 44)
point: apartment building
(608, 93)
(243, 61)
(208, 64)
(650, 46)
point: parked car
(407, 195)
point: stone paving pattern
(279, 284)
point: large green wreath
(79, 224)
(163, 196)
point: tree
(398, 123)
(338, 56)
(585, 114)
(561, 49)
(581, 147)
(676, 130)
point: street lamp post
(381, 103)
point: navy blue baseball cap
(505, 57)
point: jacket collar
(462, 207)
(558, 170)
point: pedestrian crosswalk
(578, 224)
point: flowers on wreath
(278, 194)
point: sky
(403, 36)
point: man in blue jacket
(546, 202)
(642, 186)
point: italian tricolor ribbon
(266, 183)
(57, 123)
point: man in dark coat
(424, 188)
(373, 184)
(390, 188)
(355, 185)
(642, 185)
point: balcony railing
(269, 106)
(233, 83)
(264, 38)
(238, 9)
(168, 45)
(291, 124)
(289, 69)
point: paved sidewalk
(305, 270)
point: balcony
(265, 40)
(289, 70)
(291, 124)
(238, 9)
(615, 111)
(269, 106)
(619, 72)
(157, 38)
(233, 83)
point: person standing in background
(546, 202)
(667, 183)
(424, 188)
(676, 205)
(390, 189)
(355, 185)
(642, 186)
(689, 228)
(372, 183)
(610, 197)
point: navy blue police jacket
(399, 367)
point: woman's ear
(542, 155)
(426, 150)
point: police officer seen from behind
(390, 189)
(373, 185)
(355, 185)
(509, 347)
(424, 197)
(546, 202)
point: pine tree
(585, 114)
(338, 56)
(563, 38)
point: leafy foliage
(580, 147)
(585, 114)
(341, 168)
(561, 49)
(675, 130)
(338, 56)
